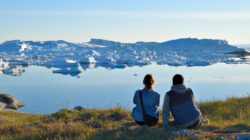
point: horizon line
(226, 15)
(1, 42)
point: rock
(79, 108)
(205, 121)
(9, 102)
(183, 131)
(241, 52)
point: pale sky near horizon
(125, 20)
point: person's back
(151, 101)
(180, 101)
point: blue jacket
(151, 100)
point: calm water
(45, 92)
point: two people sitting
(179, 101)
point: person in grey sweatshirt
(180, 102)
(151, 101)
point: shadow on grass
(238, 128)
(133, 131)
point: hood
(179, 88)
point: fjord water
(44, 92)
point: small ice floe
(183, 131)
(70, 61)
(18, 71)
(15, 70)
(243, 137)
(235, 59)
(73, 71)
(3, 65)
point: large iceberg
(73, 58)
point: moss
(63, 114)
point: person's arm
(195, 103)
(191, 92)
(158, 100)
(165, 112)
(135, 98)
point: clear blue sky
(125, 20)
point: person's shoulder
(168, 92)
(156, 94)
(137, 91)
(190, 89)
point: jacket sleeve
(191, 92)
(195, 103)
(135, 98)
(165, 112)
(158, 100)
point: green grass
(233, 110)
(227, 119)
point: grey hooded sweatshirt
(180, 101)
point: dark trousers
(140, 123)
(194, 125)
(172, 121)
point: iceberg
(73, 58)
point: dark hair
(178, 79)
(149, 81)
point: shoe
(205, 121)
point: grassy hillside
(227, 119)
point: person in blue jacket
(151, 101)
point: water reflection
(45, 92)
(17, 68)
